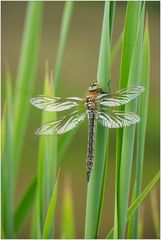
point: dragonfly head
(94, 87)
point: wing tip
(142, 88)
(32, 100)
(37, 132)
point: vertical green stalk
(26, 74)
(8, 166)
(48, 162)
(23, 209)
(129, 133)
(64, 140)
(96, 184)
(3, 128)
(138, 201)
(155, 212)
(67, 223)
(129, 39)
(68, 8)
(141, 129)
(50, 211)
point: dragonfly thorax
(90, 102)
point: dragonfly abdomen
(90, 154)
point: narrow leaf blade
(51, 211)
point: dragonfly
(97, 107)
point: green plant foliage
(50, 211)
(40, 197)
(68, 8)
(47, 161)
(137, 202)
(26, 75)
(129, 133)
(3, 128)
(129, 38)
(8, 167)
(126, 136)
(96, 184)
(23, 208)
(141, 129)
(67, 226)
(155, 212)
(116, 48)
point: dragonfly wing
(55, 104)
(63, 124)
(117, 119)
(121, 97)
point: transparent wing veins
(55, 104)
(63, 124)
(117, 119)
(120, 97)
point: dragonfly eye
(94, 87)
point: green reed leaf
(68, 225)
(116, 48)
(138, 201)
(8, 166)
(67, 14)
(129, 133)
(48, 155)
(47, 161)
(141, 129)
(26, 75)
(155, 212)
(3, 128)
(50, 211)
(23, 208)
(96, 184)
(64, 142)
(129, 39)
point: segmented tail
(90, 151)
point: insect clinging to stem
(96, 106)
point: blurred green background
(79, 69)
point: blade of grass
(111, 17)
(141, 129)
(26, 74)
(51, 211)
(68, 8)
(33, 230)
(51, 162)
(64, 142)
(116, 48)
(96, 184)
(7, 165)
(24, 206)
(129, 133)
(3, 128)
(47, 162)
(130, 223)
(67, 226)
(2, 233)
(138, 201)
(129, 38)
(155, 212)
(44, 144)
(141, 223)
